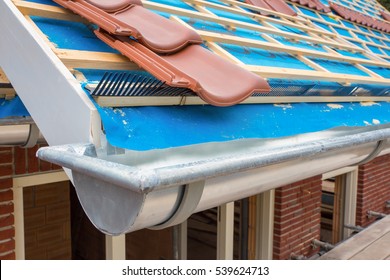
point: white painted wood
(116, 247)
(19, 223)
(225, 231)
(181, 231)
(40, 78)
(265, 225)
(351, 182)
(338, 172)
(40, 179)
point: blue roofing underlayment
(12, 108)
(145, 128)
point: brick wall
(297, 218)
(373, 189)
(149, 245)
(7, 231)
(14, 161)
(47, 222)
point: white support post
(180, 246)
(19, 223)
(116, 247)
(351, 182)
(265, 225)
(225, 231)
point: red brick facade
(373, 189)
(297, 218)
(14, 161)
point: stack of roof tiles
(360, 18)
(169, 51)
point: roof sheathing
(316, 83)
(272, 35)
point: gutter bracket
(33, 136)
(374, 153)
(190, 200)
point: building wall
(47, 222)
(14, 161)
(297, 218)
(297, 207)
(373, 189)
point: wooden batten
(133, 101)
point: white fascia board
(51, 94)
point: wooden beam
(47, 11)
(95, 60)
(287, 73)
(338, 209)
(7, 93)
(134, 101)
(234, 40)
(311, 63)
(249, 26)
(224, 53)
(259, 9)
(263, 19)
(3, 77)
(345, 27)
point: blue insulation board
(384, 72)
(12, 108)
(375, 49)
(376, 41)
(342, 31)
(146, 128)
(329, 19)
(339, 67)
(254, 56)
(322, 25)
(78, 36)
(348, 24)
(347, 53)
(308, 12)
(218, 28)
(46, 2)
(175, 3)
(233, 16)
(362, 37)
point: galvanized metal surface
(20, 135)
(121, 194)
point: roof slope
(327, 75)
(310, 57)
